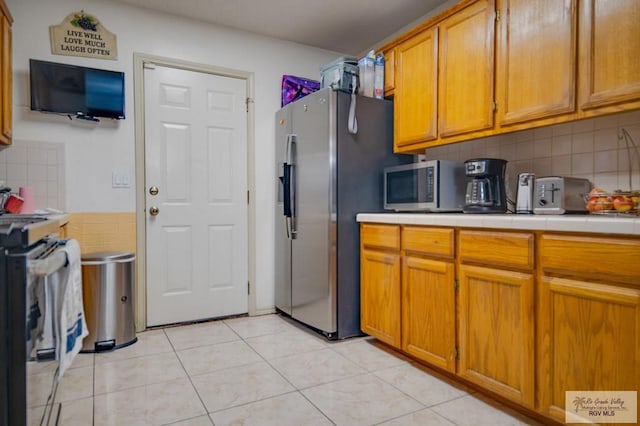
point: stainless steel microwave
(430, 186)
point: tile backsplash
(40, 165)
(593, 149)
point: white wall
(93, 152)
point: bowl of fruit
(617, 202)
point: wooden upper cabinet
(389, 71)
(466, 63)
(6, 71)
(609, 73)
(536, 64)
(416, 90)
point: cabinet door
(496, 331)
(466, 70)
(536, 60)
(6, 90)
(428, 311)
(380, 295)
(416, 93)
(589, 340)
(389, 71)
(609, 70)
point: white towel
(35, 313)
(72, 327)
(47, 342)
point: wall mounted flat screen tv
(74, 90)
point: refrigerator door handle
(290, 187)
(288, 149)
(286, 184)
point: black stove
(18, 230)
(22, 238)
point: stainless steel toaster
(560, 195)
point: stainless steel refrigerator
(325, 176)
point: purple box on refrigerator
(294, 88)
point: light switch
(120, 180)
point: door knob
(154, 190)
(153, 211)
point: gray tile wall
(37, 164)
(592, 149)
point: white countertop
(569, 223)
(62, 218)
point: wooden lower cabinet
(428, 311)
(588, 317)
(496, 331)
(380, 282)
(555, 312)
(380, 289)
(589, 340)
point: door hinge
(149, 66)
(495, 106)
(247, 102)
(498, 15)
(248, 287)
(456, 353)
(248, 197)
(456, 284)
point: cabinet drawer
(510, 249)
(377, 235)
(433, 241)
(609, 259)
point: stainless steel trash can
(107, 284)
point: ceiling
(345, 26)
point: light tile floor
(264, 370)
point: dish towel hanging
(72, 327)
(353, 121)
(35, 313)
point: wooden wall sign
(81, 34)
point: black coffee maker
(485, 186)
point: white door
(196, 157)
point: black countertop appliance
(485, 191)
